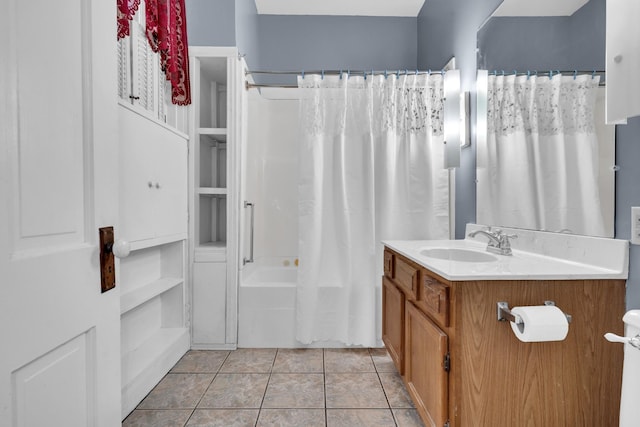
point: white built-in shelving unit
(154, 321)
(213, 188)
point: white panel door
(59, 335)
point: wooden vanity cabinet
(417, 345)
(462, 366)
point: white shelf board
(136, 297)
(213, 131)
(157, 241)
(208, 246)
(211, 191)
(210, 252)
(217, 140)
(144, 367)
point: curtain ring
(322, 74)
(302, 74)
(528, 74)
(385, 74)
(397, 74)
(340, 73)
(575, 74)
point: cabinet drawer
(406, 276)
(433, 298)
(388, 264)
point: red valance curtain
(167, 34)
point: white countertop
(578, 259)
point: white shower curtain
(542, 161)
(371, 168)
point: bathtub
(266, 304)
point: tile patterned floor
(279, 387)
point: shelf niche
(213, 161)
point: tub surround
(463, 367)
(536, 255)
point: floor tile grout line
(264, 395)
(207, 389)
(324, 384)
(387, 398)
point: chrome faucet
(498, 241)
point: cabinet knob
(617, 59)
(150, 184)
(121, 248)
(157, 185)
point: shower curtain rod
(405, 72)
(549, 73)
(330, 73)
(345, 70)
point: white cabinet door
(154, 178)
(170, 202)
(209, 304)
(623, 60)
(136, 183)
(60, 357)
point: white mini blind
(141, 81)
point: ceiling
(539, 7)
(340, 7)
(408, 7)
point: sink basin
(461, 255)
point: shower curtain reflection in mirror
(539, 166)
(371, 168)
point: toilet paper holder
(504, 313)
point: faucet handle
(504, 239)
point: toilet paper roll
(541, 323)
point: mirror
(544, 43)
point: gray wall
(277, 42)
(334, 42)
(247, 30)
(574, 42)
(211, 22)
(627, 195)
(447, 28)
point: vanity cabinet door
(426, 373)
(393, 303)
